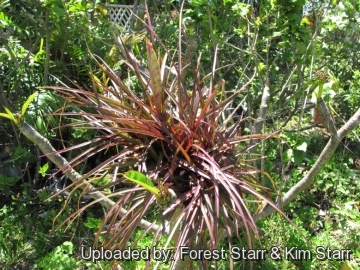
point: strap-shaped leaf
(9, 115)
(142, 180)
(155, 78)
(6, 116)
(27, 103)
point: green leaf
(277, 34)
(142, 180)
(261, 66)
(342, 190)
(67, 247)
(43, 195)
(9, 115)
(241, 9)
(298, 157)
(318, 92)
(93, 223)
(302, 147)
(5, 21)
(44, 169)
(58, 11)
(27, 103)
(305, 21)
(6, 116)
(78, 133)
(287, 155)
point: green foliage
(44, 169)
(297, 148)
(6, 182)
(17, 239)
(22, 155)
(59, 258)
(128, 99)
(93, 223)
(143, 242)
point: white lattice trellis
(121, 14)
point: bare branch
(73, 175)
(324, 157)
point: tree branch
(324, 157)
(259, 123)
(73, 175)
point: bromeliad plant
(173, 142)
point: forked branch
(324, 157)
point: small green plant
(19, 117)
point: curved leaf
(27, 103)
(155, 77)
(9, 115)
(142, 180)
(6, 116)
